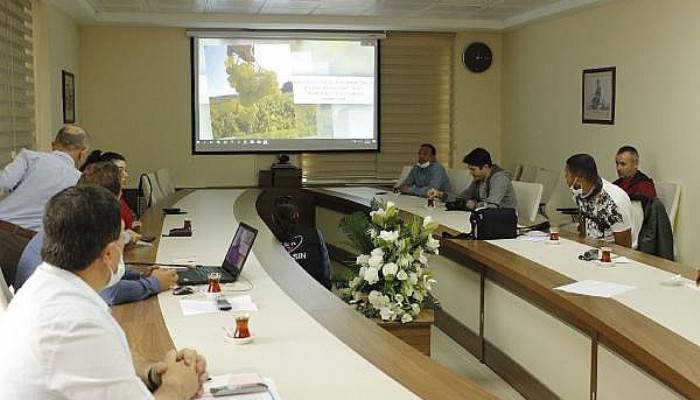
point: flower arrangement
(390, 278)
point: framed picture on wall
(598, 96)
(68, 84)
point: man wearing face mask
(606, 210)
(426, 174)
(31, 179)
(133, 286)
(491, 187)
(58, 339)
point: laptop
(232, 265)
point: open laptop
(232, 265)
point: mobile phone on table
(223, 304)
(148, 239)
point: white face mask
(575, 192)
(424, 165)
(115, 277)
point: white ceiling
(451, 15)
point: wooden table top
(142, 321)
(654, 348)
(659, 351)
(148, 336)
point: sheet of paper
(195, 307)
(534, 238)
(678, 281)
(242, 303)
(221, 380)
(244, 379)
(595, 288)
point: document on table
(595, 288)
(194, 307)
(534, 236)
(242, 303)
(233, 379)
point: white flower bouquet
(391, 278)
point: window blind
(16, 77)
(415, 104)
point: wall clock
(477, 57)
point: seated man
(491, 187)
(58, 339)
(426, 174)
(637, 185)
(31, 179)
(132, 287)
(606, 210)
(305, 244)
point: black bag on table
(494, 223)
(457, 205)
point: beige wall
(57, 48)
(476, 109)
(655, 47)
(135, 100)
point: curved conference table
(309, 342)
(499, 302)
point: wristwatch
(150, 381)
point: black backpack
(494, 223)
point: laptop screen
(240, 247)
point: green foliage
(273, 117)
(250, 81)
(355, 227)
(260, 109)
(392, 280)
(305, 116)
(223, 118)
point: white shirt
(58, 340)
(32, 179)
(637, 221)
(608, 212)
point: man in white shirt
(58, 339)
(605, 209)
(31, 179)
